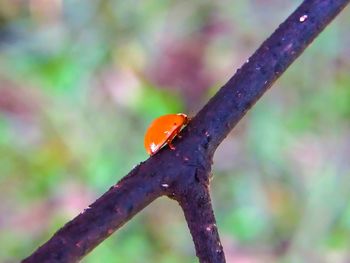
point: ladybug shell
(163, 130)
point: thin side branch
(171, 172)
(194, 199)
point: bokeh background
(81, 80)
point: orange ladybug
(163, 130)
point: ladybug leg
(171, 146)
(170, 139)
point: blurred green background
(81, 80)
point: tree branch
(102, 218)
(183, 173)
(194, 198)
(263, 68)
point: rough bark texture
(183, 174)
(194, 198)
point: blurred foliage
(81, 80)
